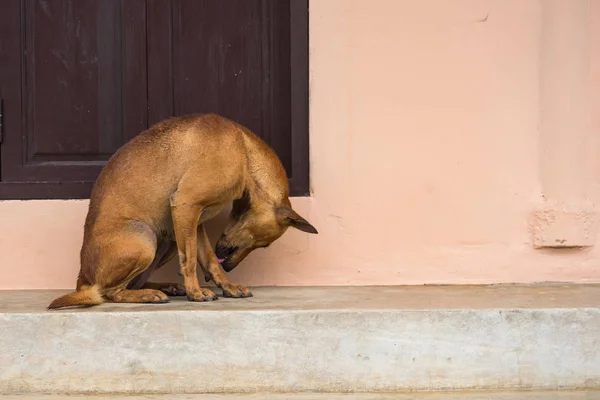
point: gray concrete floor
(522, 395)
(575, 300)
(340, 298)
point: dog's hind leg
(165, 253)
(127, 255)
(139, 296)
(170, 289)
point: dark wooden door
(72, 79)
(79, 78)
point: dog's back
(138, 179)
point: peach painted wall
(447, 139)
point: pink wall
(451, 142)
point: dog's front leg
(185, 221)
(212, 269)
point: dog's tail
(87, 296)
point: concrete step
(334, 339)
(521, 395)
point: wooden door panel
(80, 60)
(217, 60)
(229, 57)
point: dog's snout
(224, 251)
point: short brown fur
(152, 198)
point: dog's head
(253, 226)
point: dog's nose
(223, 252)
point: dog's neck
(266, 181)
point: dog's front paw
(236, 291)
(201, 295)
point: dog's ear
(289, 217)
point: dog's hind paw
(170, 289)
(174, 289)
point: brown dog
(152, 198)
